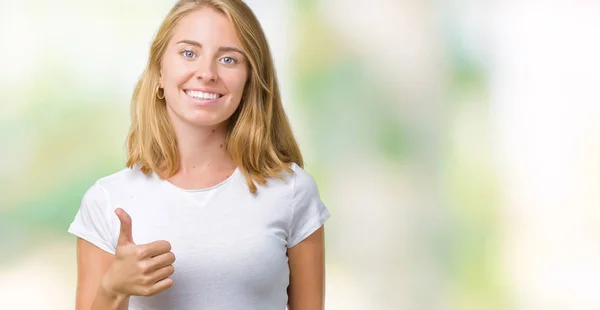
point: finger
(125, 235)
(162, 273)
(161, 286)
(155, 248)
(162, 260)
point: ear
(160, 80)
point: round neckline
(199, 190)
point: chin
(200, 117)
(205, 120)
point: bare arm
(106, 281)
(307, 273)
(92, 263)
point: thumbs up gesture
(141, 270)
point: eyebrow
(221, 49)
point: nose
(206, 71)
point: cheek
(175, 74)
(237, 82)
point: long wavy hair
(259, 137)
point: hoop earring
(158, 93)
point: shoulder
(290, 183)
(298, 178)
(302, 180)
(126, 179)
(300, 184)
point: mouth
(203, 98)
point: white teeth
(201, 95)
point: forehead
(206, 26)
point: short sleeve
(91, 221)
(308, 211)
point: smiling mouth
(203, 95)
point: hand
(141, 270)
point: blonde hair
(259, 137)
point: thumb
(125, 236)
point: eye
(228, 60)
(188, 54)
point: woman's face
(203, 70)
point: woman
(213, 210)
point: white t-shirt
(230, 245)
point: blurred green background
(456, 143)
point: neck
(201, 148)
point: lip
(204, 90)
(203, 102)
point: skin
(201, 55)
(106, 281)
(307, 273)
